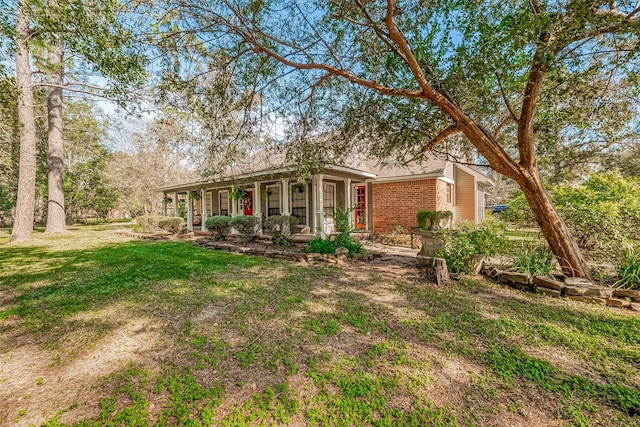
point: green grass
(250, 341)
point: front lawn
(97, 329)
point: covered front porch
(313, 201)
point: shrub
(599, 213)
(155, 223)
(629, 268)
(246, 225)
(486, 238)
(346, 241)
(281, 227)
(321, 246)
(219, 226)
(341, 220)
(329, 245)
(147, 223)
(534, 260)
(171, 224)
(456, 249)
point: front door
(360, 211)
(247, 206)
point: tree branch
(539, 67)
(448, 131)
(505, 99)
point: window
(224, 202)
(273, 200)
(299, 203)
(328, 199)
(450, 193)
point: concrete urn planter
(430, 242)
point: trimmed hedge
(281, 227)
(247, 226)
(155, 223)
(219, 226)
(171, 224)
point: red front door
(360, 211)
(248, 203)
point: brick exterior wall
(444, 188)
(398, 203)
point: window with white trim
(224, 202)
(328, 199)
(299, 203)
(273, 200)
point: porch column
(189, 211)
(203, 206)
(257, 208)
(318, 205)
(164, 203)
(285, 196)
(347, 202)
(175, 204)
(234, 203)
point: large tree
(25, 198)
(415, 73)
(94, 33)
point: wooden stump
(440, 271)
(436, 268)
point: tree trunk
(553, 228)
(25, 202)
(528, 179)
(55, 207)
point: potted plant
(239, 193)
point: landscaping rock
(574, 290)
(617, 302)
(589, 300)
(634, 306)
(577, 281)
(548, 283)
(599, 291)
(549, 291)
(627, 293)
(342, 253)
(359, 257)
(521, 278)
(521, 286)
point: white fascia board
(447, 180)
(406, 177)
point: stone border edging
(573, 288)
(311, 258)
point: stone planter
(430, 242)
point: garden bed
(294, 252)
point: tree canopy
(515, 78)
